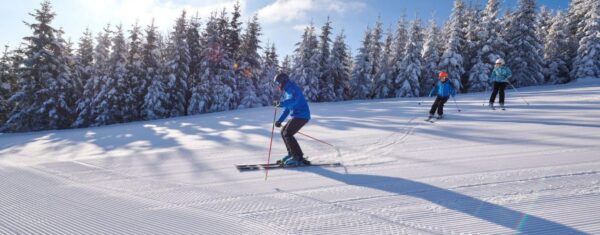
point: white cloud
(164, 13)
(285, 10)
(293, 10)
(341, 7)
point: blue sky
(282, 20)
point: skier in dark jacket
(500, 76)
(443, 89)
(294, 102)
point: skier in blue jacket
(443, 89)
(500, 76)
(294, 102)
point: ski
(255, 167)
(433, 120)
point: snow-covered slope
(531, 169)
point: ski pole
(270, 144)
(323, 142)
(456, 104)
(519, 93)
(337, 149)
(421, 101)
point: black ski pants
(287, 133)
(438, 105)
(498, 88)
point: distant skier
(443, 90)
(500, 77)
(293, 102)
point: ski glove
(276, 104)
(278, 124)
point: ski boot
(284, 159)
(295, 162)
(492, 106)
(439, 117)
(502, 106)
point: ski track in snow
(530, 169)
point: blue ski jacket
(293, 101)
(444, 89)
(501, 74)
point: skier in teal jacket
(500, 77)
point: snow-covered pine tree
(9, 72)
(306, 65)
(9, 82)
(491, 26)
(6, 85)
(177, 69)
(193, 40)
(340, 68)
(544, 21)
(575, 16)
(361, 81)
(216, 71)
(431, 58)
(506, 21)
(44, 98)
(472, 43)
(84, 59)
(200, 100)
(445, 35)
(525, 54)
(286, 65)
(69, 57)
(86, 112)
(587, 61)
(555, 54)
(113, 102)
(376, 48)
(250, 63)
(326, 80)
(409, 79)
(266, 90)
(234, 41)
(155, 98)
(399, 46)
(479, 79)
(490, 49)
(324, 42)
(234, 37)
(135, 81)
(452, 58)
(383, 83)
(199, 89)
(226, 65)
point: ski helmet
(443, 74)
(280, 79)
(499, 61)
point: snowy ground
(531, 169)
